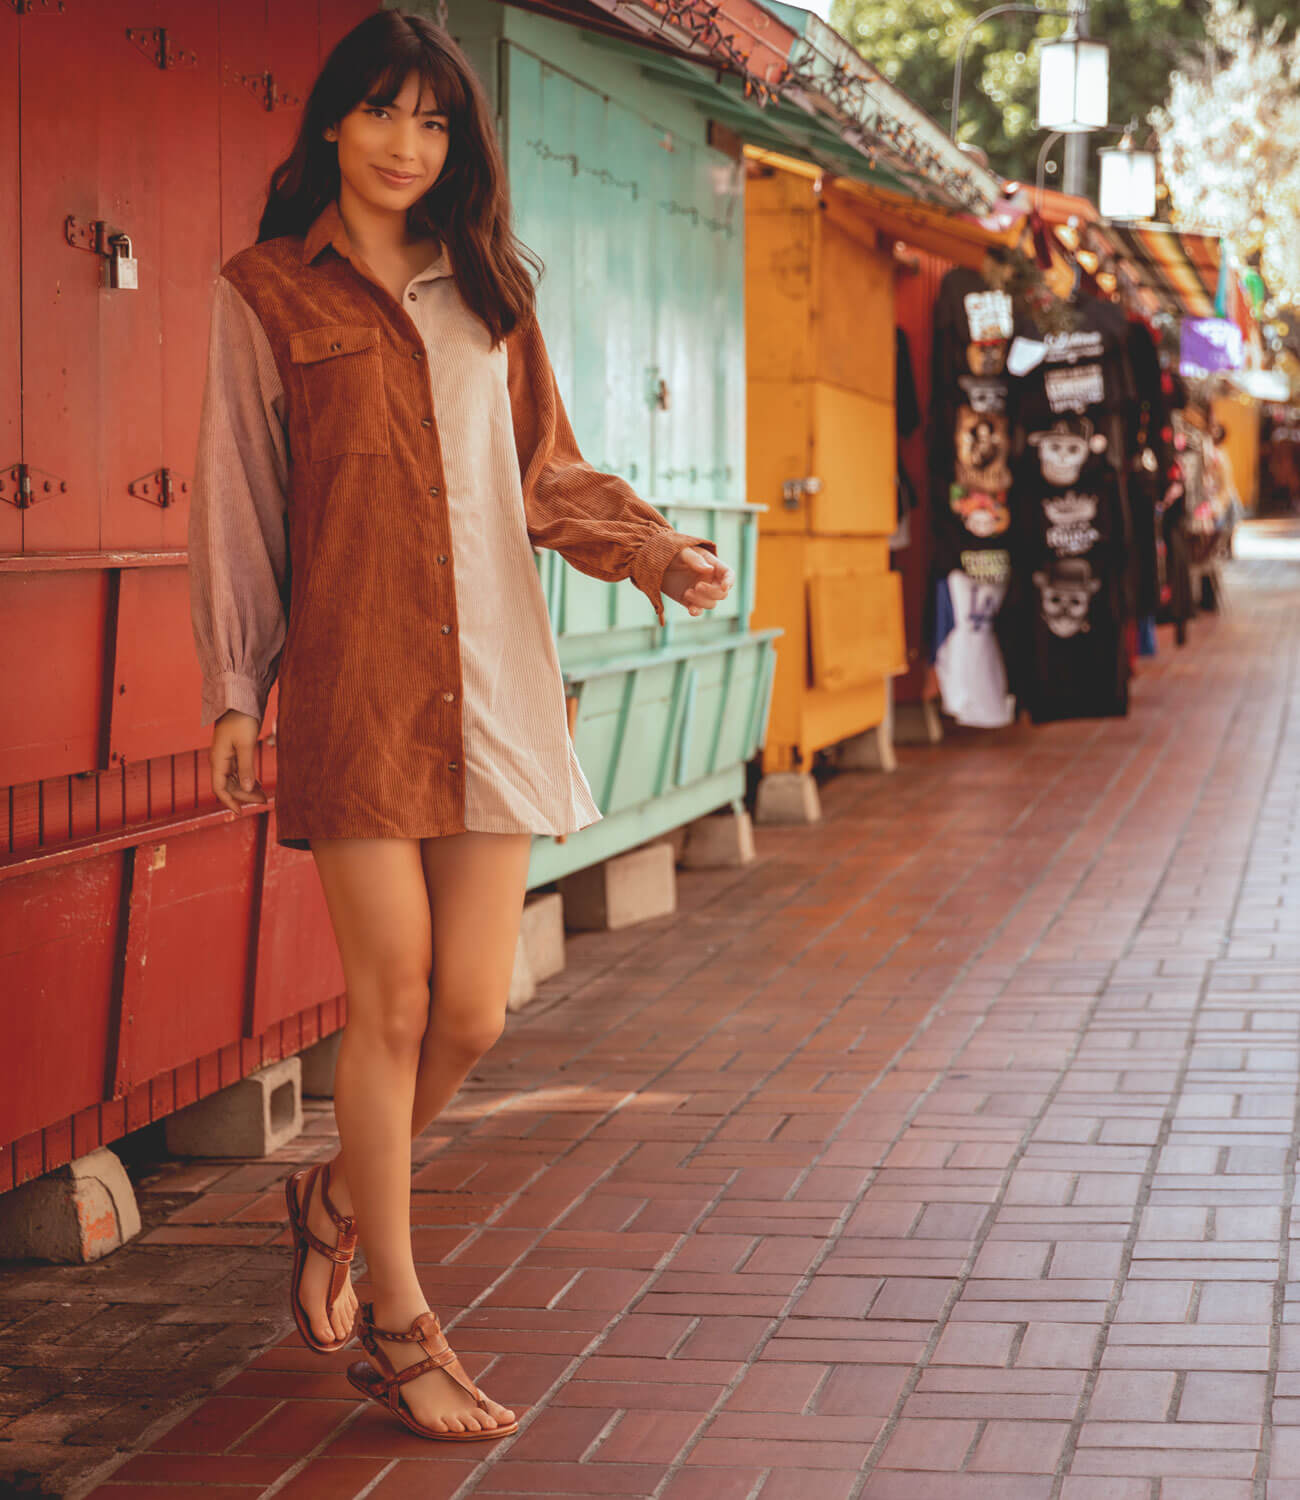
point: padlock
(123, 267)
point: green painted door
(641, 302)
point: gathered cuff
(239, 690)
(653, 558)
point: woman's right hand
(234, 745)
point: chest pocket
(341, 366)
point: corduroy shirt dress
(368, 484)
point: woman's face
(408, 137)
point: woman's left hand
(697, 579)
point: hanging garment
(967, 659)
(1071, 558)
(969, 434)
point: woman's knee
(391, 1010)
(464, 1030)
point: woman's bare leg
(472, 894)
(379, 909)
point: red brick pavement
(944, 1153)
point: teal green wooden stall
(640, 223)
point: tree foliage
(1230, 143)
(914, 43)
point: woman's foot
(316, 1271)
(435, 1399)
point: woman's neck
(378, 234)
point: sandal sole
(357, 1379)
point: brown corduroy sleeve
(595, 521)
(238, 546)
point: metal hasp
(94, 235)
(795, 491)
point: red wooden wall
(153, 947)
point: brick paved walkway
(944, 1153)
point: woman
(382, 446)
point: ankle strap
(345, 1222)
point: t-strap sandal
(382, 1385)
(297, 1193)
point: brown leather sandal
(382, 1385)
(297, 1193)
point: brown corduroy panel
(368, 647)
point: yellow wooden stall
(1239, 414)
(819, 329)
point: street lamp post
(1072, 81)
(996, 10)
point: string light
(810, 75)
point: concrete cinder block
(788, 797)
(918, 723)
(541, 929)
(872, 750)
(677, 838)
(72, 1215)
(523, 987)
(318, 1064)
(720, 841)
(631, 887)
(253, 1117)
(539, 953)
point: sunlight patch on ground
(1268, 541)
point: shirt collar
(328, 229)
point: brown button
(434, 490)
(426, 421)
(447, 697)
(417, 353)
(446, 630)
(411, 296)
(442, 557)
(453, 765)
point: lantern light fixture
(1073, 83)
(1128, 181)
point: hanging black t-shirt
(1070, 561)
(970, 428)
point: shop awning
(782, 79)
(1164, 272)
(925, 226)
(1176, 269)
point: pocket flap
(307, 345)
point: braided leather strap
(426, 1331)
(341, 1254)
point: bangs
(437, 76)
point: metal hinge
(159, 488)
(20, 485)
(264, 89)
(152, 41)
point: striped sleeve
(238, 541)
(595, 521)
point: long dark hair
(468, 207)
